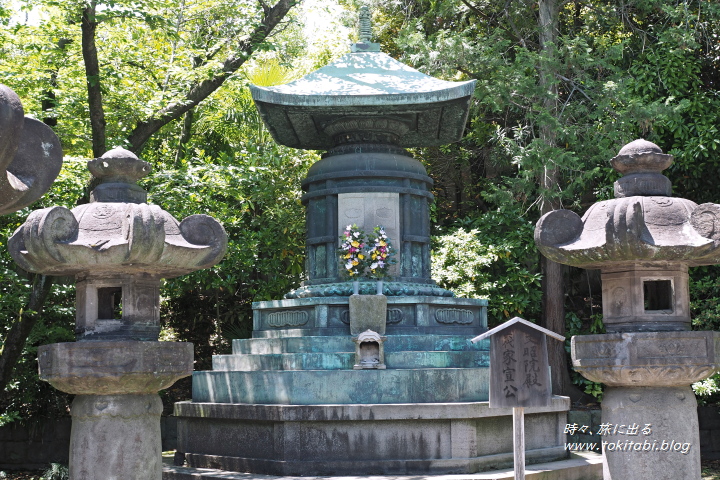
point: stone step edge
(349, 335)
(291, 355)
(391, 352)
(580, 466)
(355, 412)
(484, 345)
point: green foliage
(56, 471)
(707, 391)
(705, 298)
(26, 396)
(575, 325)
(491, 256)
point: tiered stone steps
(318, 370)
(288, 402)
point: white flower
(374, 266)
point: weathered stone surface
(367, 312)
(363, 439)
(369, 351)
(114, 367)
(345, 360)
(643, 297)
(642, 224)
(310, 387)
(30, 155)
(116, 437)
(643, 241)
(368, 185)
(117, 235)
(671, 449)
(641, 156)
(406, 315)
(334, 344)
(646, 358)
(118, 248)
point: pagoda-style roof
(365, 85)
(642, 224)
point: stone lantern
(643, 242)
(118, 248)
(30, 155)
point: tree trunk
(553, 308)
(201, 90)
(92, 74)
(185, 135)
(21, 328)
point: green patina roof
(364, 78)
(361, 85)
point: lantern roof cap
(643, 223)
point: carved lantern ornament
(30, 155)
(118, 248)
(643, 241)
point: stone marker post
(118, 248)
(643, 242)
(519, 375)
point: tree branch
(21, 328)
(92, 74)
(201, 90)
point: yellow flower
(355, 244)
(355, 262)
(347, 256)
(361, 256)
(382, 244)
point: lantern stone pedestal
(116, 413)
(643, 241)
(648, 405)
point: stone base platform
(580, 466)
(406, 315)
(378, 439)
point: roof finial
(364, 43)
(365, 24)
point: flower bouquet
(380, 255)
(352, 247)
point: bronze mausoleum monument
(311, 395)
